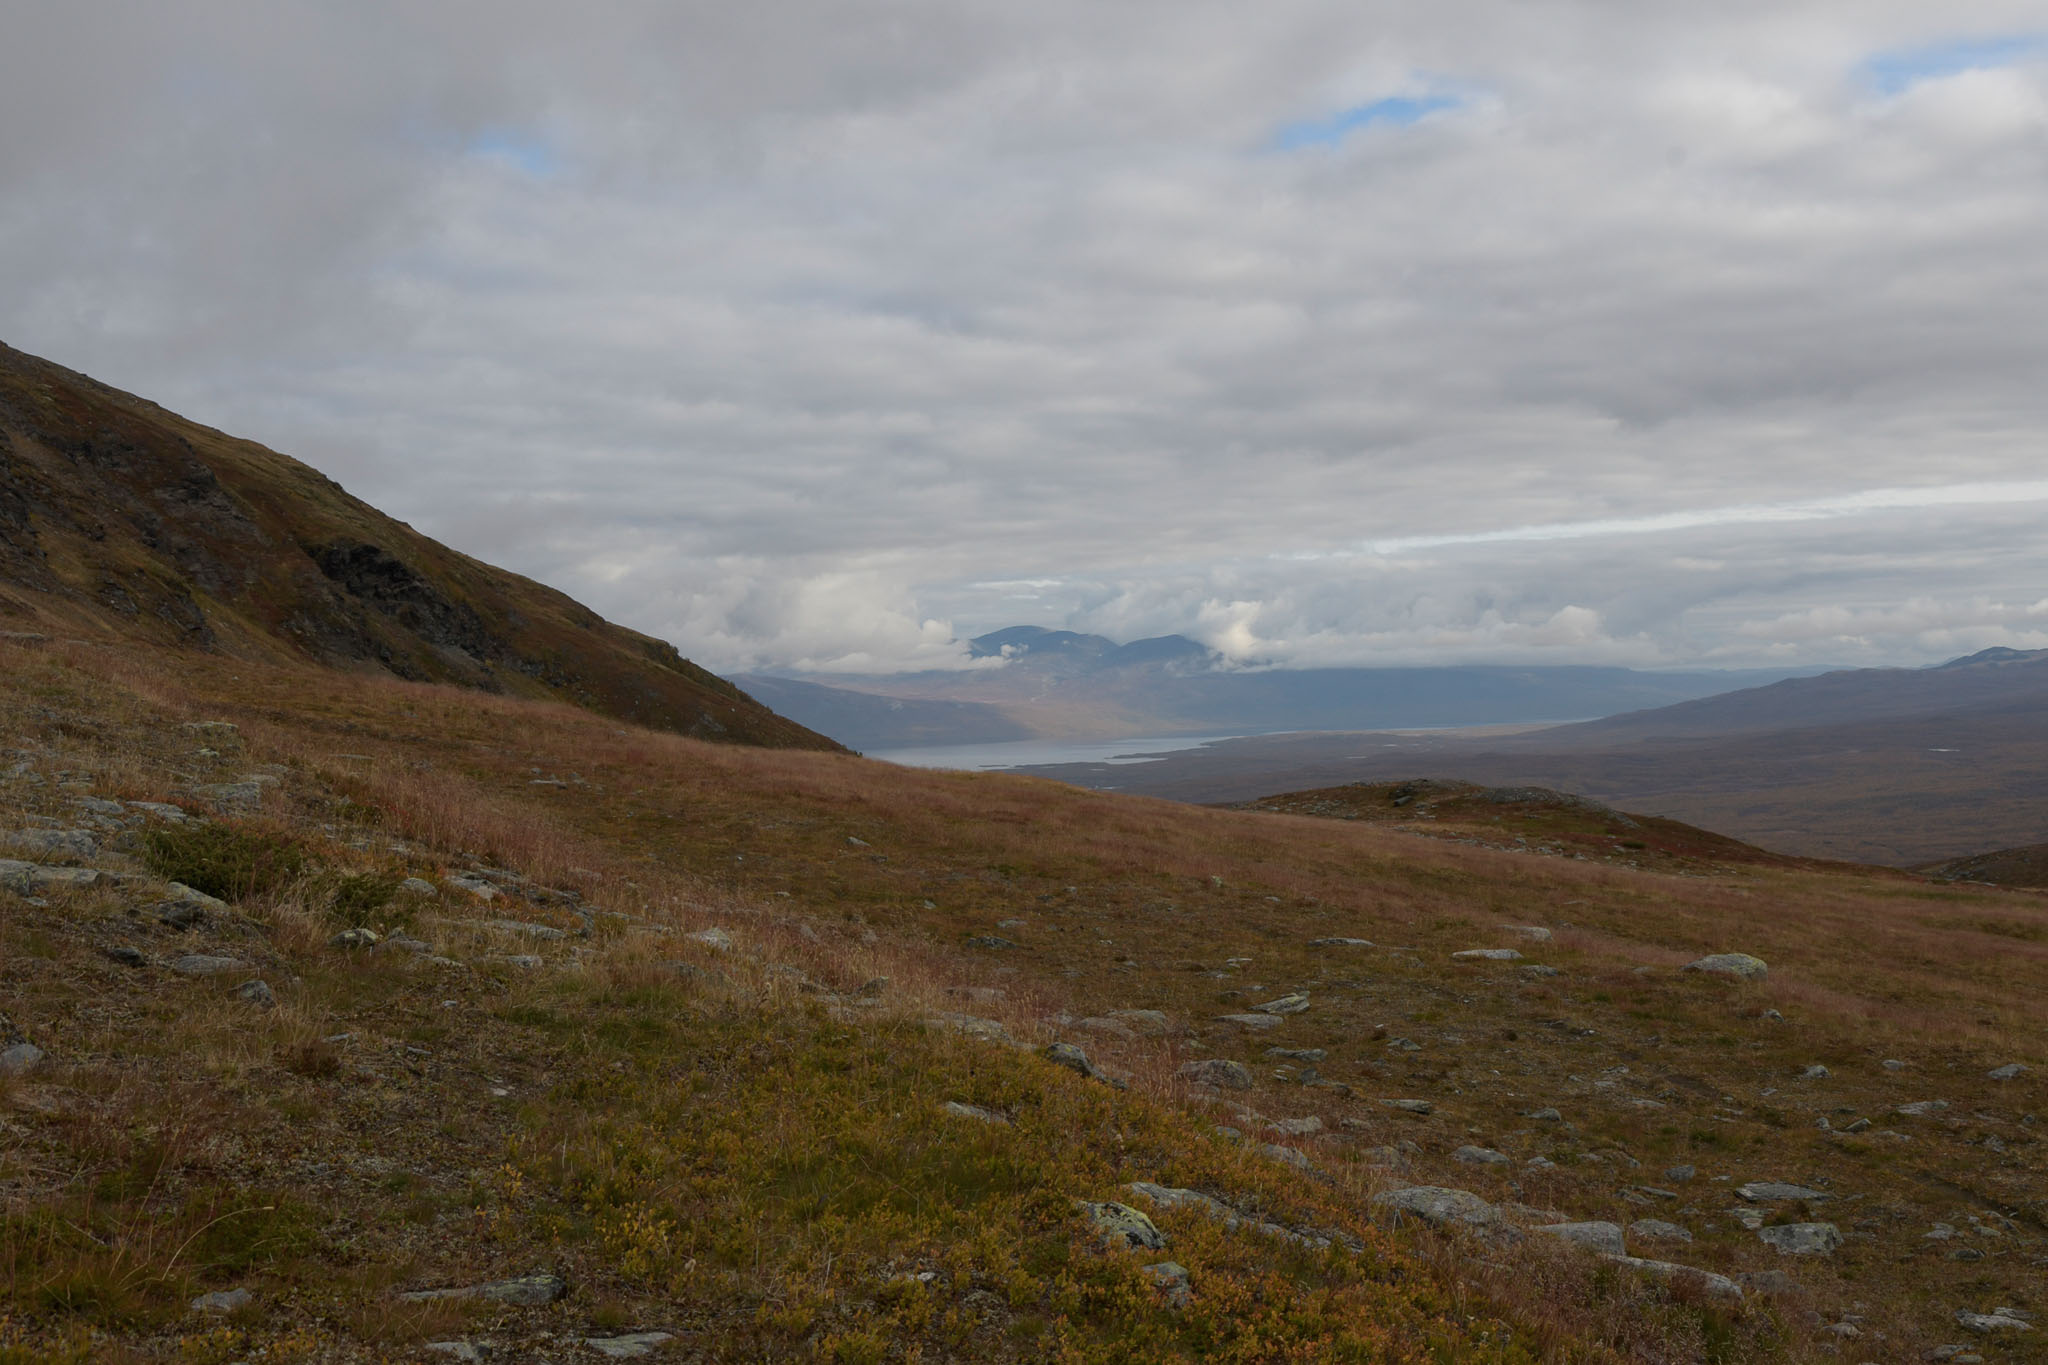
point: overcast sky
(823, 332)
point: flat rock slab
(30, 879)
(1481, 1156)
(1340, 943)
(1802, 1239)
(1486, 955)
(1657, 1230)
(1601, 1237)
(1439, 1206)
(1251, 1021)
(1149, 1023)
(524, 1291)
(1768, 1191)
(1986, 1324)
(60, 843)
(2011, 1071)
(631, 1346)
(1740, 966)
(1666, 1270)
(1535, 933)
(1410, 1106)
(19, 1058)
(223, 1301)
(1286, 1004)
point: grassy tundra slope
(121, 520)
(735, 1053)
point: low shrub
(226, 859)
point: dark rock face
(386, 584)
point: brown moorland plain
(672, 1029)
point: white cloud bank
(809, 333)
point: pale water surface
(1020, 753)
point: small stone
(1815, 1073)
(1480, 1156)
(1340, 943)
(994, 941)
(458, 1350)
(418, 886)
(258, 993)
(1255, 1022)
(1544, 1116)
(1802, 1239)
(1768, 1282)
(204, 964)
(1170, 1279)
(631, 1346)
(1892, 1064)
(1219, 1072)
(1657, 1230)
(1487, 955)
(126, 956)
(1922, 1108)
(873, 988)
(713, 938)
(1411, 1106)
(1120, 1226)
(354, 938)
(1286, 1004)
(1601, 1237)
(222, 1301)
(18, 1058)
(1309, 1055)
(975, 1112)
(2009, 1072)
(1403, 1045)
(1860, 1125)
(1740, 966)
(1306, 1126)
(1534, 932)
(1680, 1174)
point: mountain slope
(1838, 766)
(118, 518)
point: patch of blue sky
(523, 152)
(1398, 110)
(1894, 72)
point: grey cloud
(813, 316)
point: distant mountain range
(1901, 766)
(1059, 684)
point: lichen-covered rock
(1170, 1279)
(1480, 1156)
(1120, 1225)
(1740, 966)
(1219, 1072)
(1286, 1004)
(1802, 1239)
(1770, 1191)
(1440, 1206)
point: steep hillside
(711, 1053)
(121, 520)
